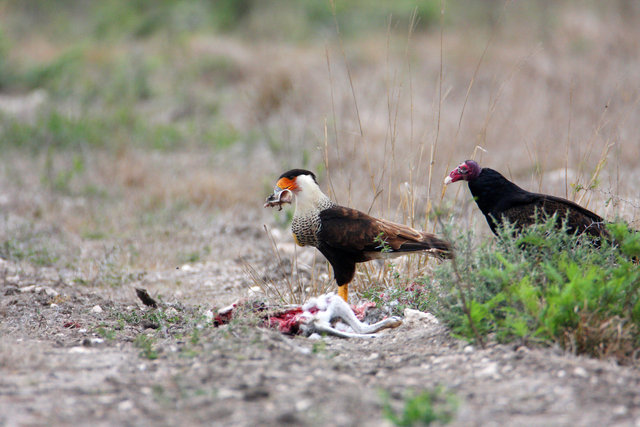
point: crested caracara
(346, 236)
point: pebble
(491, 370)
(90, 342)
(580, 372)
(414, 316)
(48, 291)
(171, 311)
(125, 405)
(620, 410)
(302, 405)
(96, 309)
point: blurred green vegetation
(121, 72)
(282, 19)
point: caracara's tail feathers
(363, 237)
(430, 243)
(401, 239)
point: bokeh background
(131, 130)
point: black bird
(343, 235)
(500, 199)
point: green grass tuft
(422, 409)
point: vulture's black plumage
(499, 199)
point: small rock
(414, 316)
(561, 374)
(256, 393)
(96, 309)
(186, 267)
(26, 288)
(580, 372)
(125, 405)
(468, 349)
(91, 342)
(302, 405)
(148, 324)
(491, 370)
(78, 350)
(49, 291)
(171, 312)
(620, 410)
(225, 393)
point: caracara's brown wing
(578, 218)
(353, 232)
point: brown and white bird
(343, 235)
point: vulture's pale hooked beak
(448, 180)
(278, 198)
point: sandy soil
(65, 361)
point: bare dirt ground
(64, 361)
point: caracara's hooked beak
(279, 197)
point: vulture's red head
(467, 171)
(290, 183)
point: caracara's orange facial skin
(287, 184)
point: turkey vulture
(498, 199)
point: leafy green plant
(422, 409)
(105, 332)
(546, 286)
(146, 345)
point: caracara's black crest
(297, 172)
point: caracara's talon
(343, 291)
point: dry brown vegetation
(126, 157)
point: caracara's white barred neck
(309, 197)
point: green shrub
(546, 286)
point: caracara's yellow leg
(343, 291)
